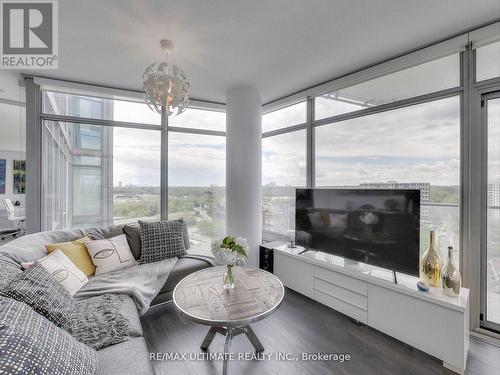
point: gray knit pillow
(133, 232)
(30, 344)
(161, 240)
(39, 289)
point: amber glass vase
(431, 265)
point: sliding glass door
(491, 255)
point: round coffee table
(201, 298)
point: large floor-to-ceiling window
(102, 165)
(95, 173)
(375, 134)
(197, 173)
(414, 147)
(426, 120)
(283, 168)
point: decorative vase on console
(431, 265)
(230, 252)
(451, 280)
(290, 238)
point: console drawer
(341, 306)
(345, 295)
(341, 280)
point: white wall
(12, 147)
(10, 156)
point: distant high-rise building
(494, 194)
(424, 187)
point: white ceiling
(278, 46)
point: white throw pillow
(338, 220)
(110, 254)
(63, 270)
(316, 220)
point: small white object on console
(429, 321)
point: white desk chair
(13, 216)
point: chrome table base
(229, 333)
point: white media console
(431, 322)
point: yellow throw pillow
(77, 252)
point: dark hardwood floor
(302, 325)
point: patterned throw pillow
(338, 220)
(63, 269)
(30, 344)
(39, 289)
(161, 240)
(110, 255)
(8, 272)
(77, 252)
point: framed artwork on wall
(19, 174)
(3, 166)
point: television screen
(379, 227)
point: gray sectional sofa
(132, 355)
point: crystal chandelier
(166, 89)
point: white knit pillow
(63, 270)
(110, 254)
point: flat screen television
(375, 226)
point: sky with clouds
(194, 160)
(420, 143)
(412, 144)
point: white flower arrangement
(369, 218)
(230, 251)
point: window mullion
(310, 143)
(164, 167)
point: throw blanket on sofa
(98, 322)
(141, 282)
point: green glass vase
(229, 277)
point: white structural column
(244, 167)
